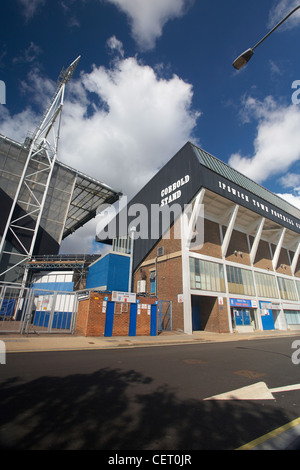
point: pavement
(34, 342)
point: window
(206, 275)
(160, 251)
(292, 317)
(153, 282)
(287, 289)
(298, 288)
(240, 281)
(266, 285)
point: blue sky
(154, 74)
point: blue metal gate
(165, 315)
(24, 310)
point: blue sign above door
(240, 303)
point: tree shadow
(113, 409)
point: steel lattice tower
(34, 183)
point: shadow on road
(114, 409)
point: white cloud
(119, 125)
(143, 122)
(30, 7)
(38, 91)
(291, 180)
(115, 45)
(277, 144)
(19, 125)
(280, 11)
(148, 17)
(83, 241)
(29, 55)
(293, 199)
(37, 88)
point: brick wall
(238, 249)
(212, 242)
(263, 259)
(214, 317)
(283, 265)
(91, 316)
(168, 276)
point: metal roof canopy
(88, 195)
(243, 181)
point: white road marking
(258, 391)
(287, 388)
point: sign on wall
(123, 297)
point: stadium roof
(235, 176)
(88, 195)
(73, 196)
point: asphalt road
(152, 398)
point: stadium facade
(223, 250)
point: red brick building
(100, 315)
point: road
(152, 398)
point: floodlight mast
(34, 182)
(244, 58)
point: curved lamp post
(244, 58)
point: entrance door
(242, 317)
(196, 324)
(109, 321)
(132, 319)
(247, 319)
(267, 319)
(153, 321)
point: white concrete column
(186, 283)
(278, 249)
(229, 231)
(295, 259)
(257, 240)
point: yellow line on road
(270, 435)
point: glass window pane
(287, 289)
(205, 275)
(240, 281)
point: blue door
(238, 316)
(153, 321)
(109, 321)
(267, 320)
(246, 316)
(242, 317)
(132, 320)
(196, 323)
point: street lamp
(132, 233)
(244, 58)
